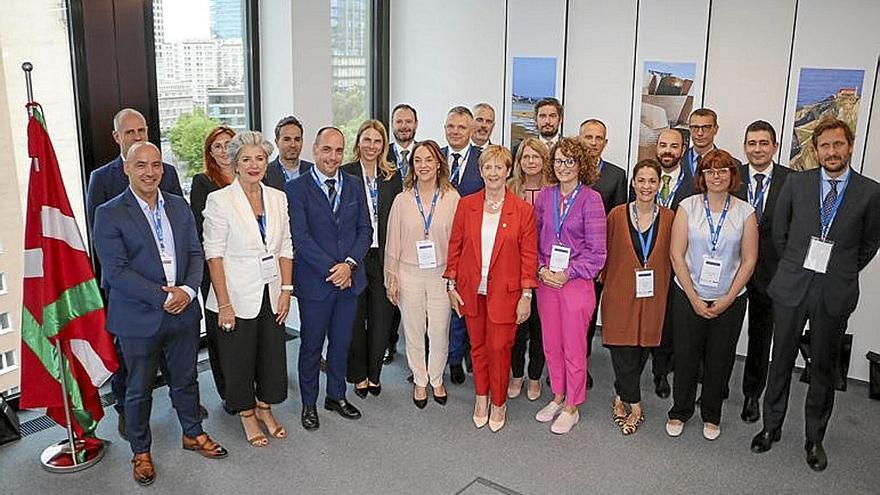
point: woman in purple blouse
(571, 252)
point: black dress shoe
(203, 411)
(751, 410)
(661, 386)
(468, 363)
(763, 441)
(374, 389)
(816, 458)
(361, 392)
(589, 380)
(456, 373)
(309, 418)
(120, 426)
(389, 356)
(343, 407)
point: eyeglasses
(218, 147)
(568, 162)
(717, 172)
(701, 128)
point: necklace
(494, 206)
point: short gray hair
(117, 119)
(248, 138)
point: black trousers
(628, 362)
(591, 330)
(211, 336)
(662, 357)
(760, 335)
(373, 320)
(254, 359)
(394, 330)
(826, 332)
(707, 342)
(528, 334)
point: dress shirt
(323, 180)
(549, 143)
(826, 187)
(374, 216)
(462, 160)
(289, 175)
(753, 184)
(167, 236)
(398, 149)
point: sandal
(619, 419)
(258, 440)
(629, 427)
(278, 431)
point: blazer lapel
(140, 223)
(245, 212)
(850, 194)
(477, 225)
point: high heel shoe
(420, 403)
(258, 440)
(497, 425)
(440, 399)
(375, 390)
(480, 421)
(278, 431)
(361, 392)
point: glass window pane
(200, 76)
(349, 33)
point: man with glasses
(287, 165)
(703, 126)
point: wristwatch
(526, 293)
(352, 264)
(450, 285)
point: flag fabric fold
(62, 301)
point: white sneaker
(711, 431)
(565, 422)
(548, 413)
(674, 427)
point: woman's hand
(283, 307)
(721, 305)
(226, 319)
(701, 308)
(523, 309)
(393, 294)
(456, 301)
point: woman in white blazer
(250, 258)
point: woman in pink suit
(571, 252)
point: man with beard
(611, 185)
(762, 181)
(824, 242)
(484, 124)
(287, 166)
(404, 123)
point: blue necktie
(759, 204)
(455, 167)
(830, 199)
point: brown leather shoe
(205, 446)
(144, 472)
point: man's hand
(178, 302)
(340, 275)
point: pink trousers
(565, 315)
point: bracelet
(450, 285)
(224, 306)
(288, 288)
(526, 293)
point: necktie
(331, 193)
(664, 191)
(455, 166)
(759, 199)
(403, 162)
(830, 199)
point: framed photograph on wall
(667, 99)
(533, 78)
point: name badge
(559, 257)
(268, 268)
(426, 254)
(644, 283)
(710, 275)
(168, 267)
(818, 255)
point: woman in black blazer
(382, 182)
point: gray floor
(397, 448)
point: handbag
(9, 427)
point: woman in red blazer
(491, 271)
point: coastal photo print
(533, 78)
(667, 100)
(821, 92)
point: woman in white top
(250, 258)
(714, 248)
(492, 269)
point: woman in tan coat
(636, 277)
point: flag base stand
(58, 458)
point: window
(2, 283)
(349, 33)
(12, 391)
(5, 323)
(8, 362)
(200, 76)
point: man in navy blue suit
(105, 183)
(332, 232)
(147, 243)
(464, 173)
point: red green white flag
(61, 299)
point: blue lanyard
(157, 225)
(373, 187)
(829, 219)
(261, 219)
(671, 197)
(759, 199)
(426, 219)
(558, 219)
(321, 186)
(644, 242)
(715, 233)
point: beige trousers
(425, 308)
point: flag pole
(63, 457)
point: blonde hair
(517, 181)
(384, 166)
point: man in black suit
(611, 185)
(287, 165)
(484, 124)
(826, 226)
(762, 181)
